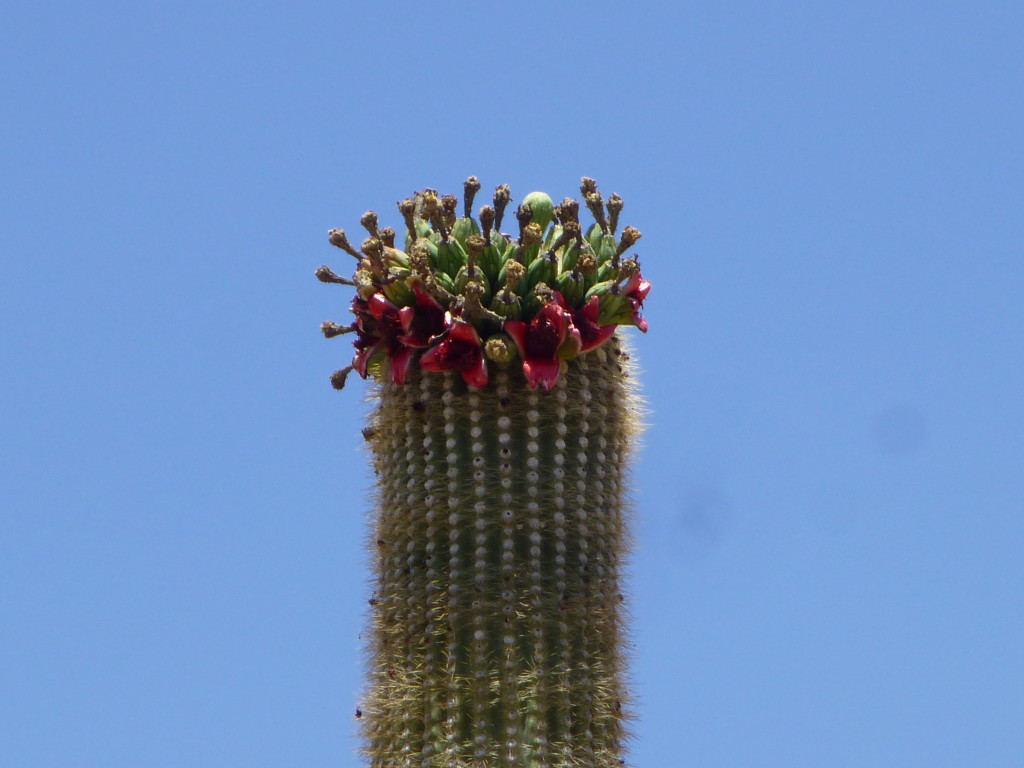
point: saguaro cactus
(505, 416)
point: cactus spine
(499, 534)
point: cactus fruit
(505, 417)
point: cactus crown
(462, 292)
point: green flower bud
(444, 282)
(614, 307)
(594, 237)
(529, 243)
(395, 258)
(542, 270)
(587, 266)
(572, 287)
(463, 278)
(397, 287)
(498, 241)
(552, 237)
(365, 285)
(606, 249)
(542, 206)
(513, 277)
(536, 299)
(491, 262)
(423, 229)
(451, 256)
(570, 256)
(463, 228)
(507, 304)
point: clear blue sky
(828, 568)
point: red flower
(543, 341)
(422, 322)
(378, 332)
(460, 350)
(636, 290)
(585, 320)
(367, 341)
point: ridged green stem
(499, 542)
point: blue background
(829, 499)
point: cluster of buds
(462, 292)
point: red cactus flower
(366, 345)
(367, 341)
(585, 320)
(378, 330)
(636, 290)
(543, 341)
(422, 322)
(460, 350)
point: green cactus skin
(499, 543)
(505, 415)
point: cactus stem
(500, 437)
(497, 593)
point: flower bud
(542, 207)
